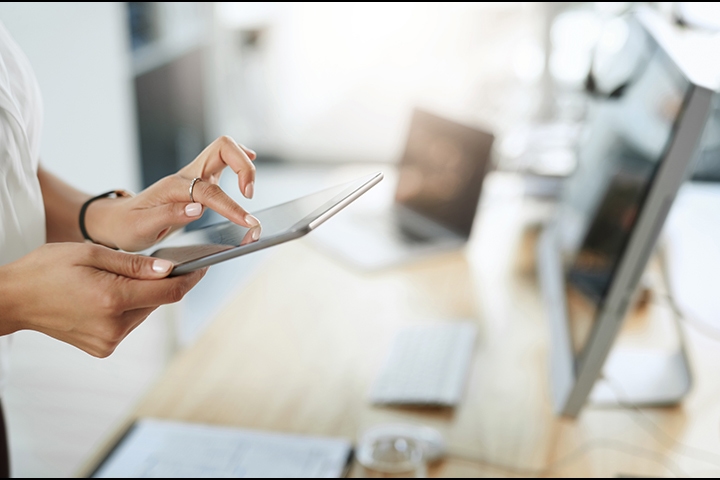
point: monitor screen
(624, 142)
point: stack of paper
(163, 448)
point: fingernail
(162, 266)
(255, 233)
(250, 190)
(252, 221)
(193, 209)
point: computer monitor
(636, 150)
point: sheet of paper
(162, 448)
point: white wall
(338, 81)
(81, 56)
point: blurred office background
(135, 90)
(148, 84)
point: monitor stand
(629, 377)
(642, 379)
(648, 377)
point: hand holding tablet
(191, 250)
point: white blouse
(22, 215)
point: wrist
(101, 219)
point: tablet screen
(281, 222)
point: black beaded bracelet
(83, 209)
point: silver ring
(192, 185)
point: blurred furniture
(298, 347)
(79, 54)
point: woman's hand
(86, 295)
(136, 223)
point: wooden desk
(298, 348)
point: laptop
(440, 178)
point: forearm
(62, 208)
(62, 212)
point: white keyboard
(427, 365)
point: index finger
(226, 152)
(240, 162)
(212, 196)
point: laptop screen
(624, 142)
(442, 170)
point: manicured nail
(252, 221)
(193, 209)
(162, 266)
(255, 233)
(250, 190)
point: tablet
(193, 249)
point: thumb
(129, 264)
